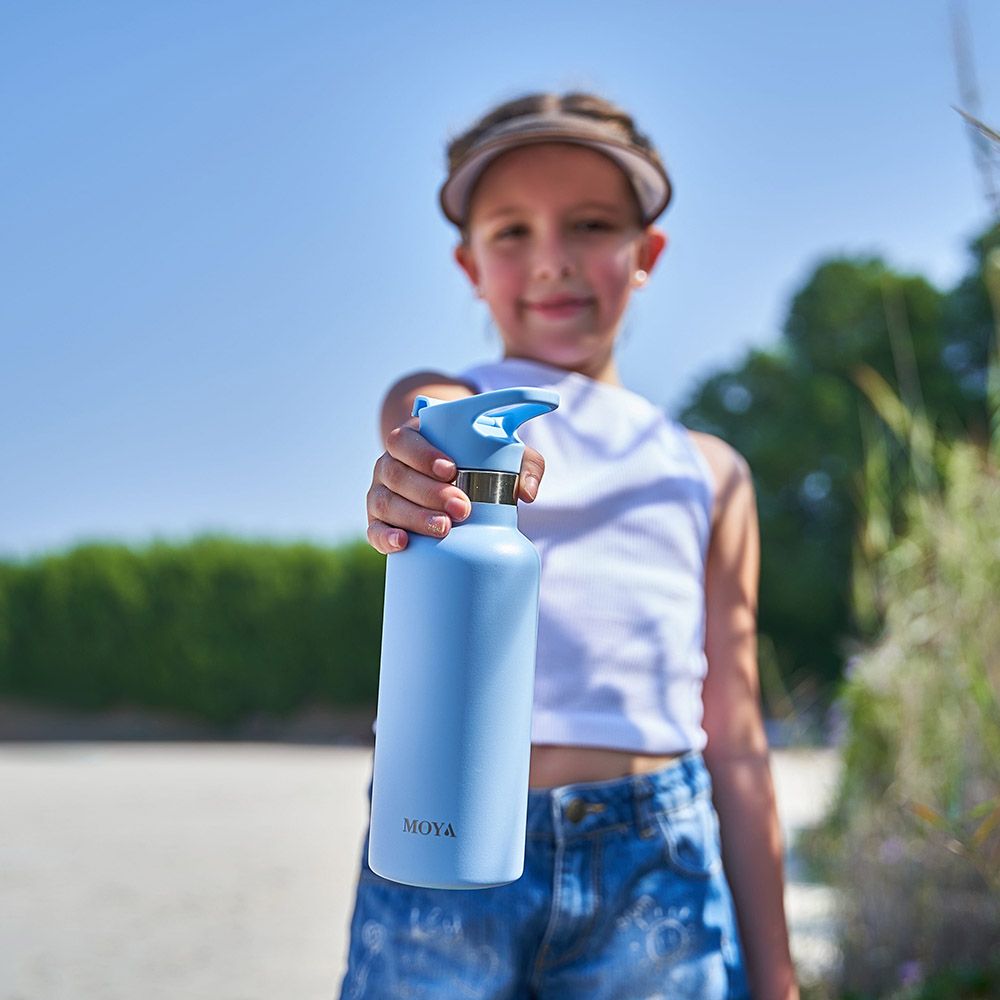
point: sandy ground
(226, 871)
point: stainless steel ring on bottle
(483, 486)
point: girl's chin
(569, 360)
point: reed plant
(913, 844)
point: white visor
(648, 179)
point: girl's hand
(412, 489)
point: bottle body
(453, 739)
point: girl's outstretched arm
(737, 750)
(412, 480)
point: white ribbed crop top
(621, 523)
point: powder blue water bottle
(453, 741)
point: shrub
(916, 833)
(217, 627)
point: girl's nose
(553, 259)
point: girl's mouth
(559, 308)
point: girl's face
(554, 244)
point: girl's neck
(602, 371)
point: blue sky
(221, 241)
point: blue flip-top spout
(480, 432)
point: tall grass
(914, 841)
(918, 821)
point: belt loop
(555, 814)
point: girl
(653, 859)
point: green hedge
(217, 627)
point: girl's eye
(511, 231)
(516, 230)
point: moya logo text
(428, 828)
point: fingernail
(458, 508)
(444, 469)
(438, 525)
(531, 486)
(396, 539)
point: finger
(392, 509)
(532, 470)
(385, 538)
(423, 491)
(409, 446)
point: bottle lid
(480, 432)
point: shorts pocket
(691, 838)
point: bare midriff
(552, 766)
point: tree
(798, 416)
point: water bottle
(453, 739)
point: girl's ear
(465, 260)
(654, 240)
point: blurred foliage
(800, 417)
(216, 628)
(913, 843)
(960, 982)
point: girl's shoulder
(730, 471)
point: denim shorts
(623, 897)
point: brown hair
(580, 103)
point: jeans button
(576, 809)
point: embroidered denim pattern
(623, 897)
